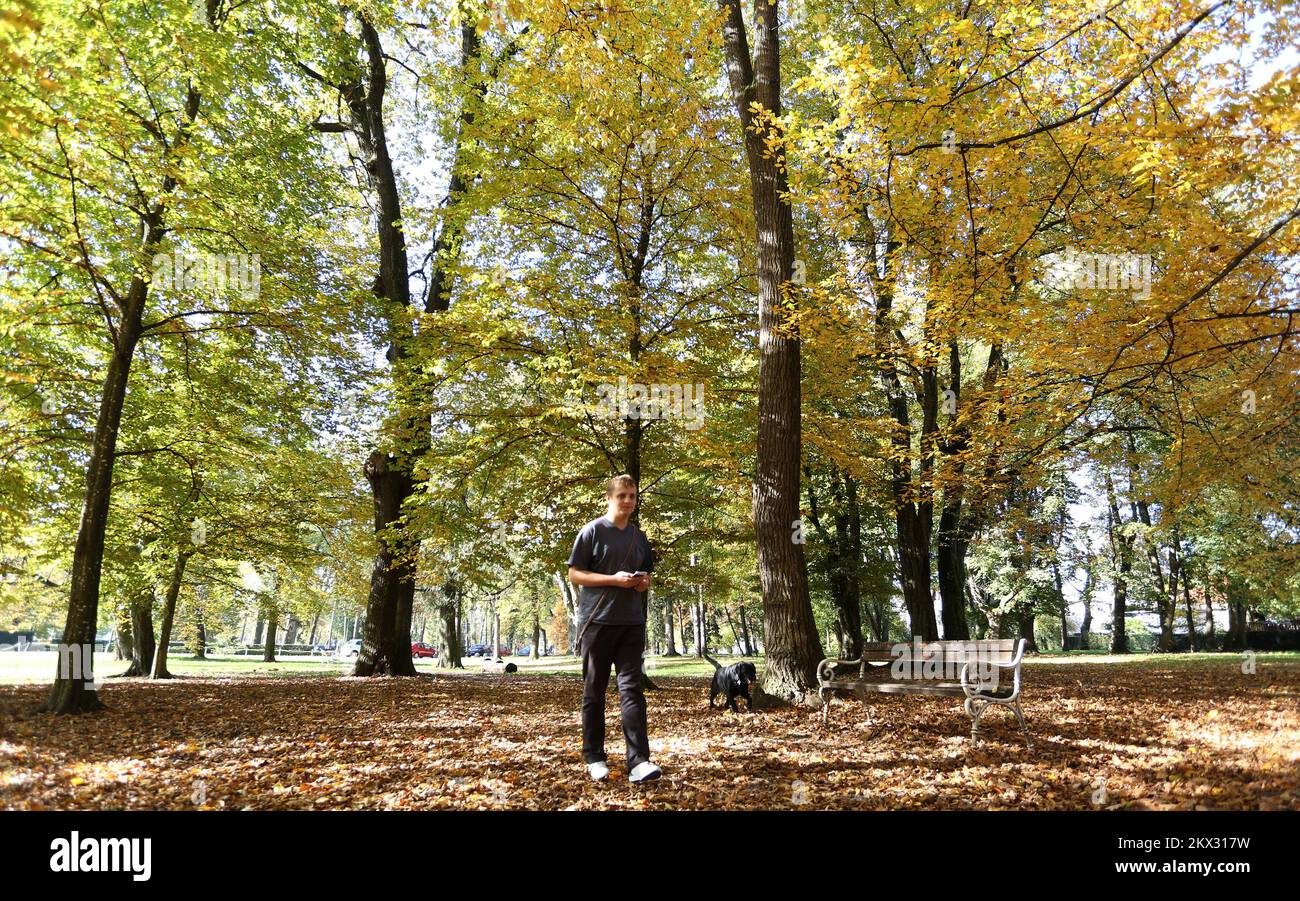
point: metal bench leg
(1024, 728)
(826, 708)
(975, 710)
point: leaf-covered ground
(1198, 736)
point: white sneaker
(644, 772)
(598, 770)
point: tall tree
(122, 296)
(363, 86)
(793, 646)
(144, 222)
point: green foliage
(601, 235)
(1141, 640)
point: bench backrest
(943, 660)
(997, 650)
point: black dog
(733, 681)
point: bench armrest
(826, 669)
(1014, 663)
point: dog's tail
(716, 664)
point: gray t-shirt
(602, 547)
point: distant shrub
(1099, 641)
(1047, 632)
(1141, 640)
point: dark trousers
(621, 646)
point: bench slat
(999, 650)
(945, 689)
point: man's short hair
(622, 480)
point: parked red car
(418, 649)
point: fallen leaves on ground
(1150, 737)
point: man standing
(611, 563)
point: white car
(350, 648)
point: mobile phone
(638, 574)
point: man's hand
(635, 581)
(625, 579)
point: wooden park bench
(974, 670)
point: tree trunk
(1121, 547)
(571, 609)
(272, 625)
(1209, 606)
(124, 649)
(200, 639)
(792, 643)
(951, 559)
(914, 545)
(291, 631)
(142, 635)
(1236, 637)
(913, 504)
(880, 619)
(1000, 625)
(405, 610)
(687, 622)
(731, 625)
(1164, 606)
(1025, 623)
(392, 580)
(169, 615)
(449, 653)
(1085, 629)
(669, 628)
(744, 631)
(981, 620)
(1061, 606)
(852, 559)
(1239, 626)
(72, 695)
(646, 683)
(951, 544)
(842, 559)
